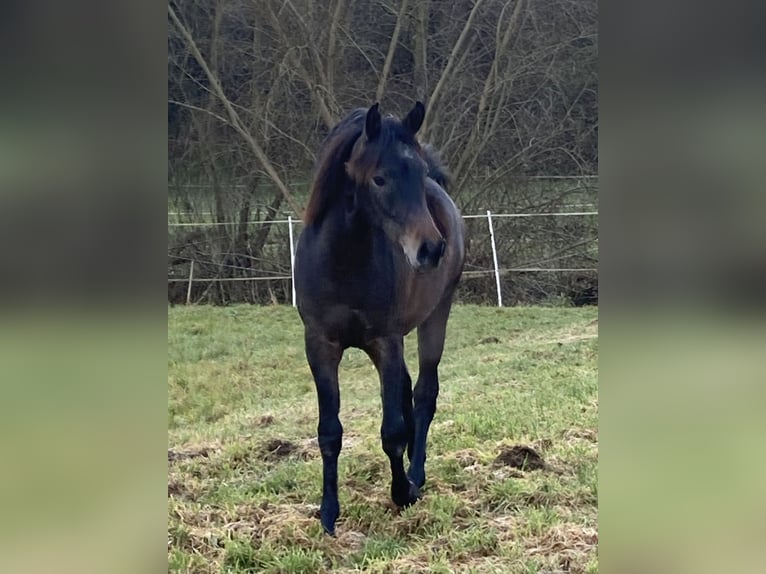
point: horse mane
(437, 171)
(330, 170)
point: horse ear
(415, 118)
(372, 123)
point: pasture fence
(216, 270)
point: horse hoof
(406, 496)
(327, 517)
(328, 527)
(418, 478)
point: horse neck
(353, 243)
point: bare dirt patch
(179, 490)
(276, 449)
(351, 540)
(466, 457)
(571, 543)
(522, 457)
(265, 420)
(589, 435)
(543, 444)
(190, 452)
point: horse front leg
(388, 356)
(323, 358)
(431, 336)
(409, 421)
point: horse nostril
(442, 247)
(423, 253)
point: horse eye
(379, 181)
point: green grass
(239, 384)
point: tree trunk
(391, 51)
(420, 36)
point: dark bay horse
(381, 253)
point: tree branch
(236, 122)
(475, 144)
(339, 6)
(432, 101)
(222, 119)
(391, 49)
(315, 88)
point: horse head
(389, 178)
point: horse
(381, 253)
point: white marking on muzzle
(410, 247)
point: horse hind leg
(323, 358)
(431, 336)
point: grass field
(244, 470)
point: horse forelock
(436, 169)
(366, 156)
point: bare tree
(510, 86)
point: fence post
(191, 278)
(494, 259)
(292, 256)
